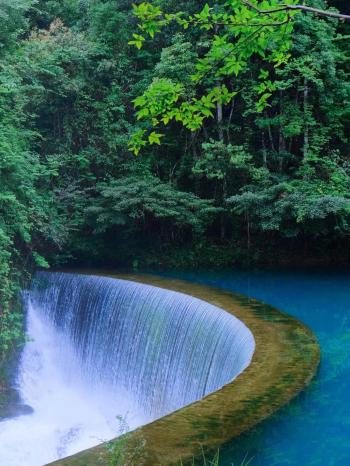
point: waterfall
(104, 347)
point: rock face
(11, 404)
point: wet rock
(11, 404)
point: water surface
(314, 429)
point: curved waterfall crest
(104, 347)
(164, 348)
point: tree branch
(309, 9)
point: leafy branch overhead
(230, 37)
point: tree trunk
(281, 138)
(219, 120)
(306, 127)
(264, 152)
(223, 214)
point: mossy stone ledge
(286, 358)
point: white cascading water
(103, 348)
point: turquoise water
(314, 429)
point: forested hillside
(249, 185)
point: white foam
(66, 417)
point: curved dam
(163, 348)
(107, 351)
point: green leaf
(154, 138)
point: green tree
(232, 36)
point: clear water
(314, 429)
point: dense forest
(250, 184)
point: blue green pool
(314, 429)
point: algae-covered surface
(286, 358)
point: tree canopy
(240, 116)
(232, 35)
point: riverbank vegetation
(264, 177)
